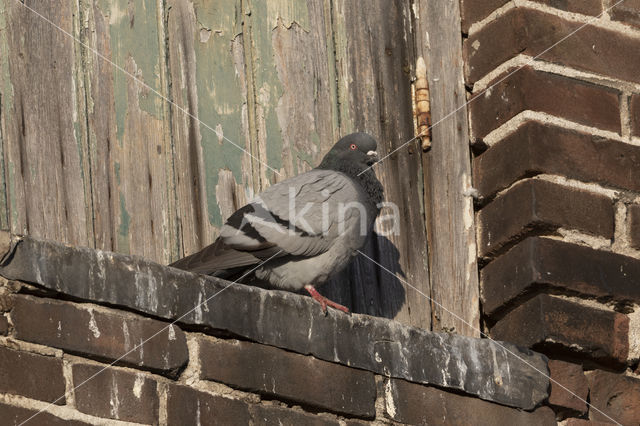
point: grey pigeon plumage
(308, 227)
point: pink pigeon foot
(324, 301)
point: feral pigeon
(306, 228)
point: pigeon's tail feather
(215, 260)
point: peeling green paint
(287, 12)
(133, 34)
(307, 157)
(268, 87)
(123, 228)
(220, 95)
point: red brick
(571, 377)
(100, 333)
(473, 11)
(627, 12)
(15, 416)
(289, 376)
(633, 213)
(262, 415)
(410, 403)
(635, 115)
(542, 207)
(549, 323)
(531, 32)
(31, 375)
(186, 406)
(618, 396)
(536, 148)
(529, 89)
(539, 263)
(115, 394)
(585, 7)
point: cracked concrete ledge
(494, 371)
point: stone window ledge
(478, 367)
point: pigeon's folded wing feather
(301, 216)
(215, 257)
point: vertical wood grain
(92, 157)
(447, 182)
(43, 121)
(374, 49)
(206, 64)
(294, 105)
(128, 141)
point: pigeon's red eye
(353, 147)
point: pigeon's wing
(215, 257)
(301, 216)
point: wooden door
(139, 126)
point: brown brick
(585, 7)
(571, 377)
(115, 394)
(627, 12)
(542, 206)
(15, 416)
(356, 422)
(633, 212)
(635, 115)
(262, 415)
(289, 376)
(537, 263)
(531, 32)
(4, 325)
(411, 403)
(536, 148)
(6, 302)
(186, 406)
(529, 89)
(98, 333)
(618, 396)
(549, 323)
(473, 11)
(583, 422)
(31, 375)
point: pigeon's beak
(372, 157)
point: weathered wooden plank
(374, 49)
(295, 106)
(101, 130)
(447, 179)
(6, 94)
(42, 123)
(206, 62)
(128, 145)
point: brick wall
(557, 166)
(74, 319)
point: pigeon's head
(358, 150)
